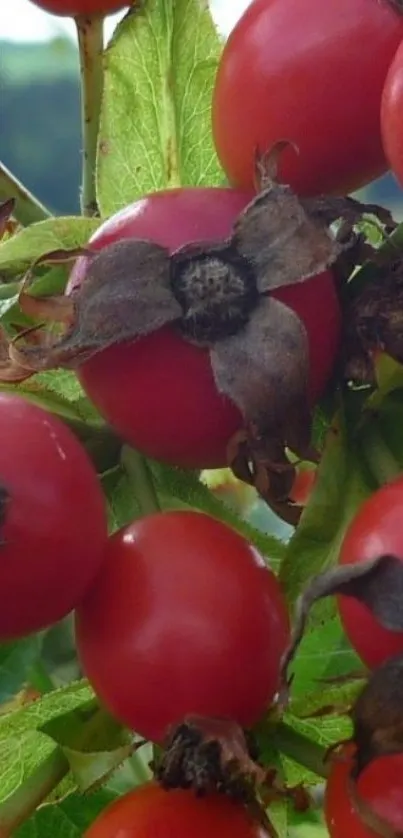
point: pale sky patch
(20, 20)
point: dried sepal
(126, 293)
(264, 370)
(377, 583)
(210, 755)
(374, 321)
(377, 715)
(281, 240)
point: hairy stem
(28, 209)
(141, 479)
(300, 748)
(90, 33)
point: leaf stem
(36, 788)
(90, 34)
(138, 471)
(300, 748)
(377, 454)
(40, 679)
(28, 208)
(31, 793)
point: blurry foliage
(40, 120)
(41, 79)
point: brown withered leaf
(283, 242)
(126, 294)
(377, 583)
(374, 321)
(377, 715)
(10, 369)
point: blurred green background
(40, 124)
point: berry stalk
(90, 33)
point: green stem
(31, 793)
(90, 33)
(40, 679)
(36, 788)
(300, 748)
(141, 479)
(377, 454)
(28, 209)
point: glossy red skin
(380, 785)
(375, 530)
(151, 812)
(171, 408)
(73, 8)
(184, 618)
(392, 115)
(313, 76)
(54, 532)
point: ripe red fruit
(159, 392)
(376, 530)
(380, 785)
(52, 519)
(73, 8)
(392, 115)
(151, 812)
(296, 73)
(184, 618)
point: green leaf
(94, 743)
(8, 298)
(33, 716)
(18, 253)
(175, 485)
(16, 659)
(340, 489)
(68, 819)
(58, 391)
(19, 757)
(23, 746)
(324, 653)
(156, 124)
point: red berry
(151, 812)
(73, 8)
(303, 72)
(376, 530)
(52, 519)
(380, 785)
(159, 392)
(184, 618)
